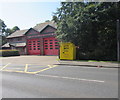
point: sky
(27, 14)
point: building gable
(31, 32)
(48, 29)
(40, 27)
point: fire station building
(39, 40)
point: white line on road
(71, 78)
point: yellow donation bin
(67, 51)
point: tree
(2, 30)
(47, 21)
(9, 31)
(91, 26)
(15, 28)
(2, 26)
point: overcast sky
(27, 14)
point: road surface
(60, 81)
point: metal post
(118, 41)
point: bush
(81, 56)
(7, 53)
(98, 54)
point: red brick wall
(41, 46)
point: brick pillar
(26, 40)
(41, 46)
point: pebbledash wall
(39, 40)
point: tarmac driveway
(28, 64)
(35, 64)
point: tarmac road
(51, 80)
(62, 82)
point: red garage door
(33, 46)
(51, 46)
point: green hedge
(97, 55)
(7, 53)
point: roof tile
(18, 33)
(41, 26)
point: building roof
(41, 26)
(38, 27)
(18, 44)
(15, 44)
(18, 33)
(6, 45)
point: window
(34, 48)
(51, 43)
(51, 48)
(56, 42)
(51, 40)
(38, 41)
(38, 48)
(46, 45)
(46, 40)
(56, 48)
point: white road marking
(71, 78)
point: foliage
(7, 53)
(15, 28)
(90, 26)
(9, 31)
(2, 40)
(2, 26)
(4, 32)
(47, 21)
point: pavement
(89, 64)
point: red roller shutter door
(51, 46)
(33, 46)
